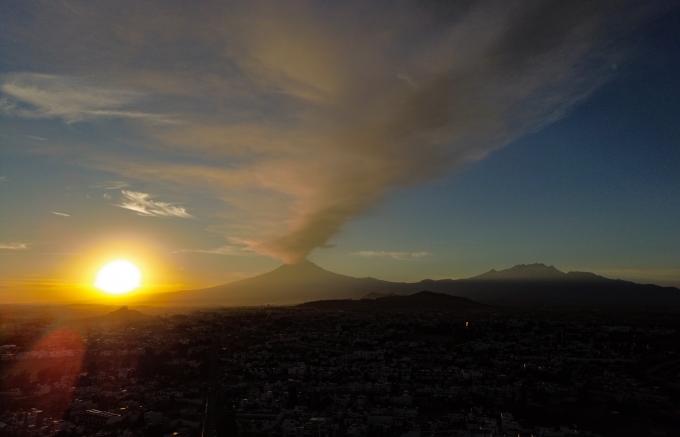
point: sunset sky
(211, 141)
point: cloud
(397, 255)
(33, 95)
(3, 178)
(13, 246)
(62, 214)
(300, 117)
(112, 185)
(143, 204)
(222, 250)
(235, 247)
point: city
(300, 371)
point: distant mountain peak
(286, 284)
(535, 266)
(303, 265)
(301, 271)
(534, 271)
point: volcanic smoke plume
(302, 117)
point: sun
(118, 277)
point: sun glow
(118, 277)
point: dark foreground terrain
(312, 371)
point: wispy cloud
(235, 247)
(62, 214)
(111, 185)
(222, 250)
(13, 246)
(3, 178)
(143, 204)
(33, 95)
(397, 255)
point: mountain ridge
(534, 271)
(533, 285)
(423, 300)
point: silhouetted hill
(420, 301)
(120, 317)
(124, 314)
(524, 285)
(376, 295)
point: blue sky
(597, 190)
(215, 152)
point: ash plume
(301, 116)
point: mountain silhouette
(539, 285)
(123, 316)
(524, 285)
(536, 272)
(285, 285)
(531, 272)
(420, 301)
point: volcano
(286, 285)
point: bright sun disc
(118, 277)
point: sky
(212, 141)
